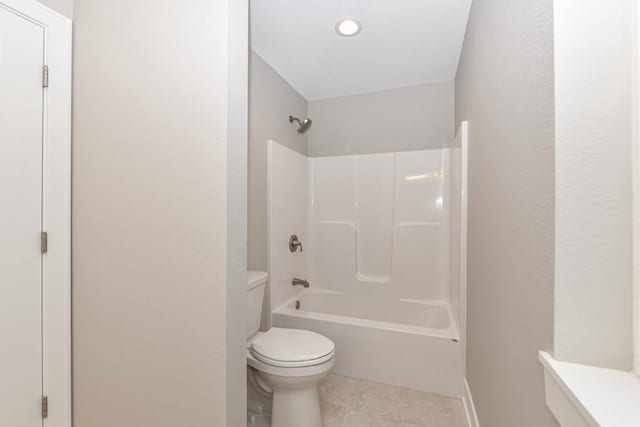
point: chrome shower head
(303, 125)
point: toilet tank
(256, 284)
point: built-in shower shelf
(369, 279)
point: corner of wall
(271, 101)
(237, 152)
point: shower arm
(295, 119)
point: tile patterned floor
(350, 402)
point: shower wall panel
(374, 220)
(380, 224)
(287, 175)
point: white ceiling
(403, 43)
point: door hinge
(45, 406)
(45, 76)
(44, 242)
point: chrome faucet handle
(294, 243)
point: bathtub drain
(297, 305)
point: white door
(21, 154)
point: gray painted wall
(594, 226)
(150, 226)
(404, 119)
(64, 7)
(504, 87)
(271, 101)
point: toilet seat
(298, 364)
(300, 372)
(291, 348)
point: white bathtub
(412, 344)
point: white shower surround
(376, 232)
(379, 223)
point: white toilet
(289, 363)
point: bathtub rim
(451, 333)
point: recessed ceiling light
(348, 27)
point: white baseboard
(469, 408)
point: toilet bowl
(287, 363)
(290, 363)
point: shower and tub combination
(384, 244)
